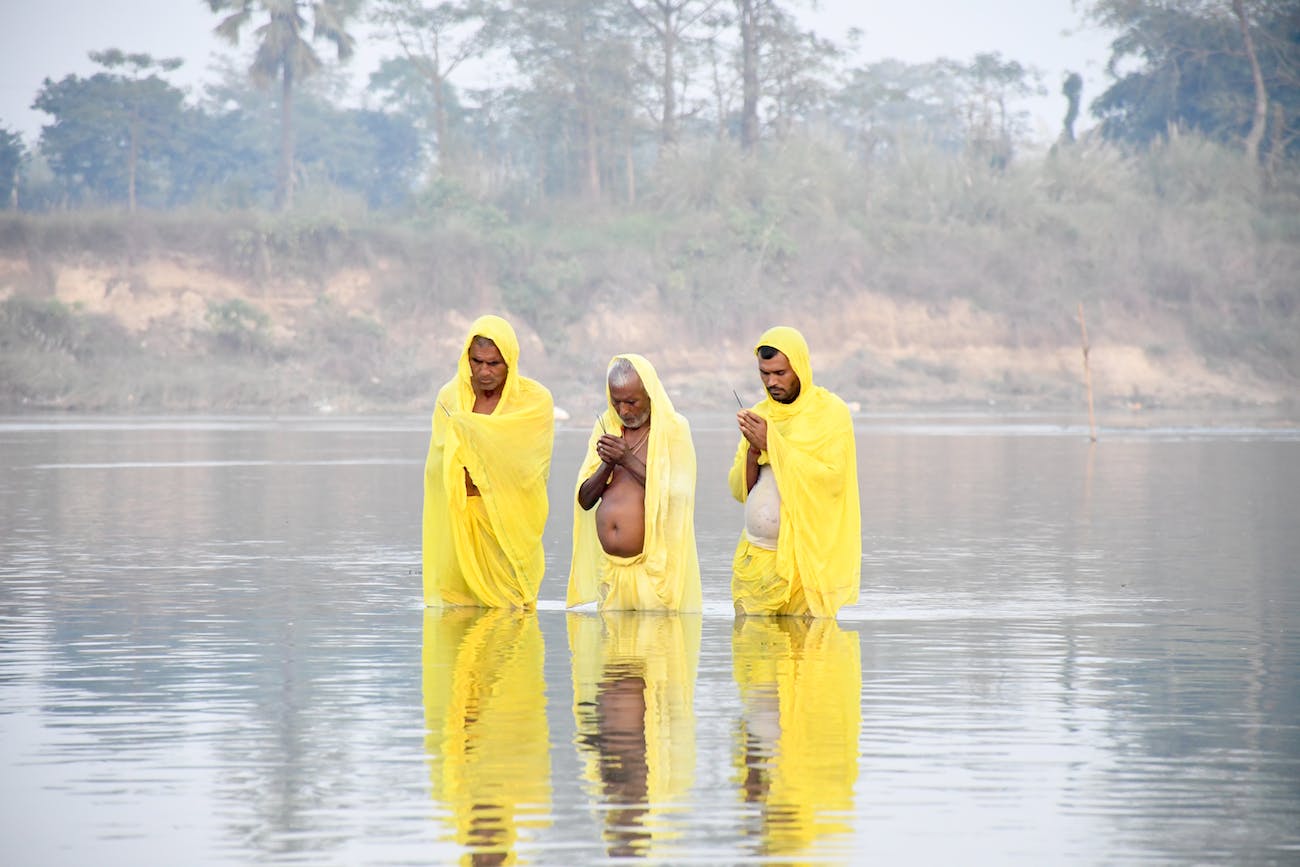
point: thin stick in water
(1087, 374)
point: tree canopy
(592, 99)
(1187, 64)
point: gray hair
(622, 372)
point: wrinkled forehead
(629, 387)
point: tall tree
(992, 85)
(1260, 116)
(1214, 66)
(435, 40)
(669, 22)
(779, 64)
(795, 69)
(284, 51)
(135, 104)
(110, 127)
(748, 16)
(887, 104)
(577, 61)
(12, 153)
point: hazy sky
(50, 38)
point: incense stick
(444, 409)
(737, 397)
(600, 421)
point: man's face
(487, 369)
(631, 403)
(779, 378)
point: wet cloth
(665, 576)
(487, 550)
(817, 565)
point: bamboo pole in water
(1087, 375)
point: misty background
(233, 205)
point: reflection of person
(486, 734)
(485, 478)
(800, 687)
(633, 705)
(636, 549)
(796, 471)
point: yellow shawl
(636, 781)
(811, 449)
(508, 454)
(800, 683)
(671, 561)
(487, 739)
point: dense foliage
(592, 98)
(1187, 64)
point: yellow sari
(665, 576)
(633, 705)
(800, 686)
(817, 565)
(487, 550)
(486, 738)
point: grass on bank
(1181, 244)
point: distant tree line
(589, 95)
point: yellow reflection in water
(797, 745)
(633, 705)
(485, 715)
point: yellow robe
(487, 553)
(800, 685)
(633, 706)
(817, 566)
(665, 576)
(487, 740)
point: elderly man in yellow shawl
(636, 550)
(796, 471)
(485, 478)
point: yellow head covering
(487, 739)
(812, 452)
(671, 561)
(643, 766)
(508, 455)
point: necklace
(644, 438)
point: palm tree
(284, 51)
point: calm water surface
(213, 651)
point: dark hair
(766, 352)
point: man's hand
(753, 427)
(612, 450)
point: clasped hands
(613, 450)
(753, 427)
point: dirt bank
(190, 336)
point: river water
(213, 651)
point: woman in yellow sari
(485, 500)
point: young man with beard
(796, 471)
